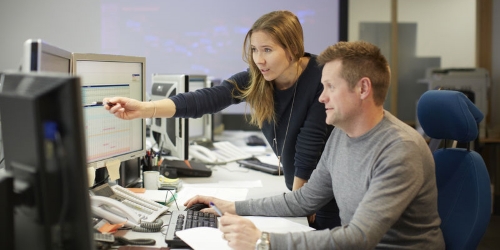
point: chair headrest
(448, 114)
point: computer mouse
(197, 207)
(254, 140)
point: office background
(187, 37)
(445, 30)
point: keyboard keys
(228, 152)
(181, 220)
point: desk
(271, 185)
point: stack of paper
(161, 196)
(171, 184)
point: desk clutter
(170, 184)
(119, 205)
(184, 168)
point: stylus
(216, 208)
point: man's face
(341, 103)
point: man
(380, 170)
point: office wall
(72, 25)
(193, 37)
(431, 34)
(445, 28)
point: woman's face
(272, 60)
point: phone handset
(114, 211)
(202, 154)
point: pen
(215, 208)
(97, 103)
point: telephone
(202, 154)
(114, 211)
(119, 205)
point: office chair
(463, 182)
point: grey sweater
(385, 186)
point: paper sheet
(113, 168)
(229, 194)
(229, 184)
(161, 196)
(202, 238)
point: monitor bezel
(76, 57)
(207, 119)
(50, 200)
(33, 50)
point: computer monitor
(200, 129)
(45, 175)
(110, 139)
(171, 135)
(41, 56)
(130, 173)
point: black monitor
(40, 56)
(45, 174)
(130, 173)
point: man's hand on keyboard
(223, 205)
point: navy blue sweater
(307, 132)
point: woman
(282, 87)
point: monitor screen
(108, 137)
(45, 162)
(42, 56)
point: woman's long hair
(285, 29)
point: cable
(149, 226)
(105, 180)
(124, 241)
(173, 196)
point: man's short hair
(361, 59)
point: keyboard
(228, 152)
(261, 166)
(180, 220)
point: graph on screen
(107, 137)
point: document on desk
(161, 196)
(201, 238)
(229, 194)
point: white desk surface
(271, 185)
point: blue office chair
(463, 182)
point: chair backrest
(463, 182)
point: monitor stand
(6, 210)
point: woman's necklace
(275, 142)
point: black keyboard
(180, 220)
(261, 166)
